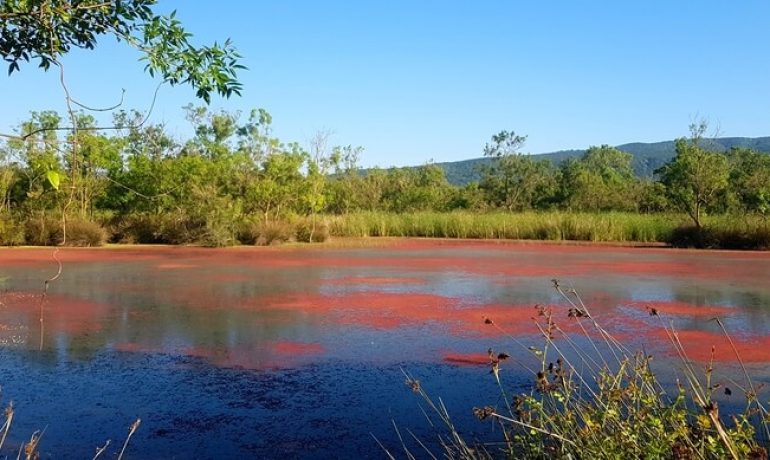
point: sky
(414, 81)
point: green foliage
(311, 231)
(232, 180)
(414, 189)
(602, 179)
(11, 230)
(694, 178)
(647, 157)
(750, 179)
(553, 225)
(514, 181)
(45, 30)
(53, 179)
(725, 232)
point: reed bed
(555, 225)
(740, 232)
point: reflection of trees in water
(171, 310)
(752, 308)
(202, 301)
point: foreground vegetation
(234, 183)
(592, 398)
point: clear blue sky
(416, 80)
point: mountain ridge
(648, 156)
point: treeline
(234, 182)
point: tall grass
(719, 231)
(554, 225)
(592, 398)
(723, 231)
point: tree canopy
(696, 177)
(45, 30)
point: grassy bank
(747, 232)
(720, 231)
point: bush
(308, 231)
(722, 236)
(276, 232)
(155, 229)
(42, 231)
(254, 232)
(248, 232)
(48, 231)
(84, 233)
(11, 231)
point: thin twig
(100, 450)
(131, 430)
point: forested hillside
(647, 157)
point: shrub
(275, 232)
(48, 231)
(254, 232)
(11, 231)
(153, 228)
(42, 231)
(309, 231)
(722, 235)
(248, 231)
(84, 233)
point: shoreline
(395, 242)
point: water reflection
(261, 315)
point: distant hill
(647, 156)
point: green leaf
(53, 179)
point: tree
(37, 158)
(602, 179)
(695, 177)
(8, 178)
(96, 158)
(280, 184)
(750, 179)
(415, 189)
(45, 30)
(346, 187)
(514, 181)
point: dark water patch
(198, 410)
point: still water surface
(299, 352)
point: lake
(300, 351)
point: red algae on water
(681, 308)
(287, 347)
(466, 359)
(175, 266)
(389, 310)
(371, 280)
(703, 346)
(61, 313)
